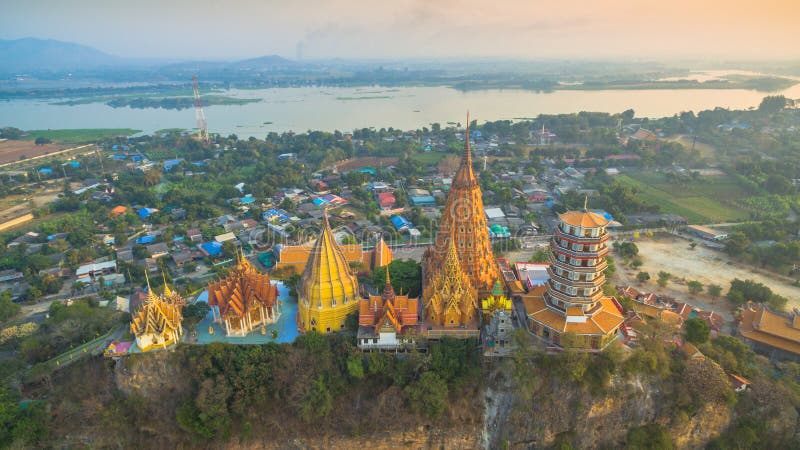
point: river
(327, 108)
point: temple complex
(387, 321)
(463, 223)
(460, 267)
(573, 311)
(244, 300)
(157, 322)
(327, 290)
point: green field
(429, 157)
(79, 135)
(709, 200)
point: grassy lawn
(429, 158)
(79, 136)
(705, 150)
(710, 200)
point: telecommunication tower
(200, 114)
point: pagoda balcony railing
(597, 281)
(566, 265)
(581, 239)
(575, 298)
(585, 254)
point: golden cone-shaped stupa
(328, 289)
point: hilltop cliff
(259, 397)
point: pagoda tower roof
(584, 219)
(242, 289)
(463, 225)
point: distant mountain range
(31, 56)
(40, 55)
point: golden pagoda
(495, 302)
(328, 290)
(244, 300)
(463, 224)
(451, 300)
(382, 318)
(157, 323)
(574, 302)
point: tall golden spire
(151, 296)
(464, 222)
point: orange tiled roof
(760, 324)
(550, 318)
(575, 311)
(585, 219)
(533, 304)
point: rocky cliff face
(546, 411)
(588, 420)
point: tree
(714, 290)
(8, 308)
(627, 249)
(663, 278)
(778, 184)
(405, 276)
(695, 287)
(642, 277)
(696, 330)
(651, 437)
(540, 256)
(42, 140)
(772, 103)
(11, 133)
(736, 243)
(428, 394)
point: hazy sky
(414, 28)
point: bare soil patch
(367, 161)
(672, 254)
(12, 151)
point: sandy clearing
(672, 254)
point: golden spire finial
(467, 152)
(151, 296)
(387, 274)
(167, 291)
